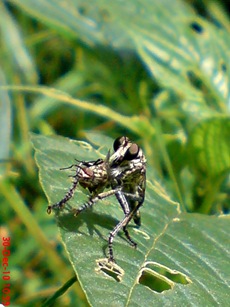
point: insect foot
(59, 206)
(122, 174)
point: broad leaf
(184, 53)
(181, 258)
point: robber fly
(123, 173)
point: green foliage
(157, 71)
(170, 242)
(211, 158)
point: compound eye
(132, 152)
(118, 142)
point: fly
(123, 173)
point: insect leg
(95, 199)
(69, 194)
(135, 201)
(123, 202)
(123, 223)
(135, 214)
(125, 206)
(68, 167)
(133, 196)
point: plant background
(158, 73)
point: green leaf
(12, 40)
(186, 54)
(209, 147)
(181, 258)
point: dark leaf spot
(196, 27)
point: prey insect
(123, 173)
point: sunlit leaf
(181, 258)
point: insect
(123, 173)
